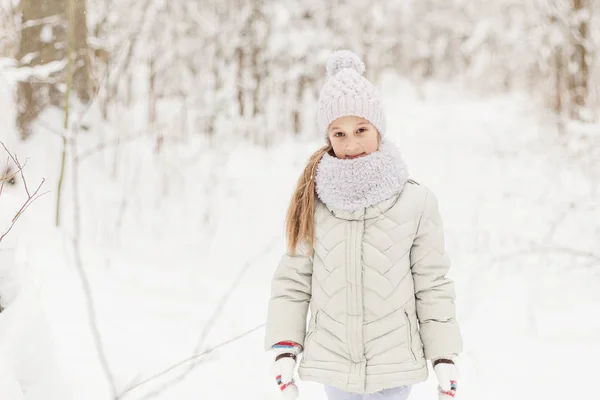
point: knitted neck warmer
(352, 184)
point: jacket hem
(373, 383)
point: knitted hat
(347, 92)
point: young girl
(366, 255)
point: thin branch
(30, 197)
(19, 167)
(218, 312)
(85, 283)
(192, 358)
(15, 219)
(46, 125)
(5, 177)
(9, 154)
(9, 177)
(34, 199)
(23, 177)
(106, 145)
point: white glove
(286, 354)
(447, 376)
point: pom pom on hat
(342, 59)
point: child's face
(353, 137)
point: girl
(366, 255)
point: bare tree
(43, 43)
(42, 27)
(82, 83)
(579, 60)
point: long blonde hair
(299, 221)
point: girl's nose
(353, 145)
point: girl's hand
(286, 354)
(447, 376)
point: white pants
(398, 393)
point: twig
(16, 217)
(30, 197)
(29, 200)
(85, 283)
(9, 177)
(4, 177)
(19, 166)
(219, 311)
(34, 199)
(192, 358)
(21, 171)
(103, 146)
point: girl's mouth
(355, 156)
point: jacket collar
(362, 214)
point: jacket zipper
(409, 334)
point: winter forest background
(150, 148)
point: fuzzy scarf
(352, 184)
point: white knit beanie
(347, 92)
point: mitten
(447, 376)
(286, 354)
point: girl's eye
(338, 134)
(361, 130)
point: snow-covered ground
(168, 241)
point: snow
(46, 34)
(168, 239)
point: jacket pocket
(409, 336)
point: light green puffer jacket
(380, 301)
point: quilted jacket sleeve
(434, 292)
(290, 297)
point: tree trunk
(579, 78)
(81, 68)
(298, 106)
(558, 89)
(256, 109)
(558, 78)
(44, 40)
(240, 80)
(151, 94)
(217, 88)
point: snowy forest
(150, 149)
